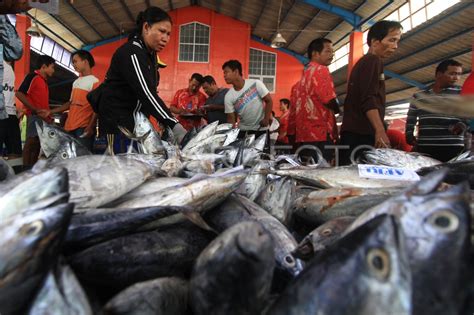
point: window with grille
(46, 46)
(263, 67)
(194, 42)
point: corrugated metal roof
(450, 34)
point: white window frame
(194, 43)
(261, 76)
(59, 62)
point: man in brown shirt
(364, 107)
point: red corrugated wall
(229, 39)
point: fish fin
(49, 201)
(429, 183)
(198, 220)
(126, 132)
(40, 166)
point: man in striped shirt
(440, 136)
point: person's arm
(134, 69)
(174, 105)
(176, 110)
(89, 131)
(268, 110)
(321, 83)
(381, 139)
(333, 105)
(22, 97)
(12, 46)
(59, 109)
(212, 107)
(267, 99)
(412, 116)
(231, 119)
(230, 111)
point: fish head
(376, 253)
(66, 151)
(321, 237)
(253, 239)
(51, 137)
(142, 124)
(28, 236)
(437, 234)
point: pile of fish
(217, 225)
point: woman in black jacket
(132, 78)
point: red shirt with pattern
(282, 137)
(183, 99)
(314, 122)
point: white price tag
(387, 172)
(49, 6)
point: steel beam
(348, 16)
(294, 37)
(301, 58)
(469, 30)
(83, 18)
(107, 16)
(404, 79)
(239, 11)
(260, 14)
(127, 10)
(53, 32)
(57, 19)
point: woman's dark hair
(151, 15)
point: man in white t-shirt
(9, 127)
(248, 99)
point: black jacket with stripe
(130, 86)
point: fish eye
(378, 261)
(290, 260)
(64, 155)
(444, 221)
(51, 133)
(326, 232)
(32, 228)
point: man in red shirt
(34, 94)
(285, 114)
(189, 101)
(316, 103)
